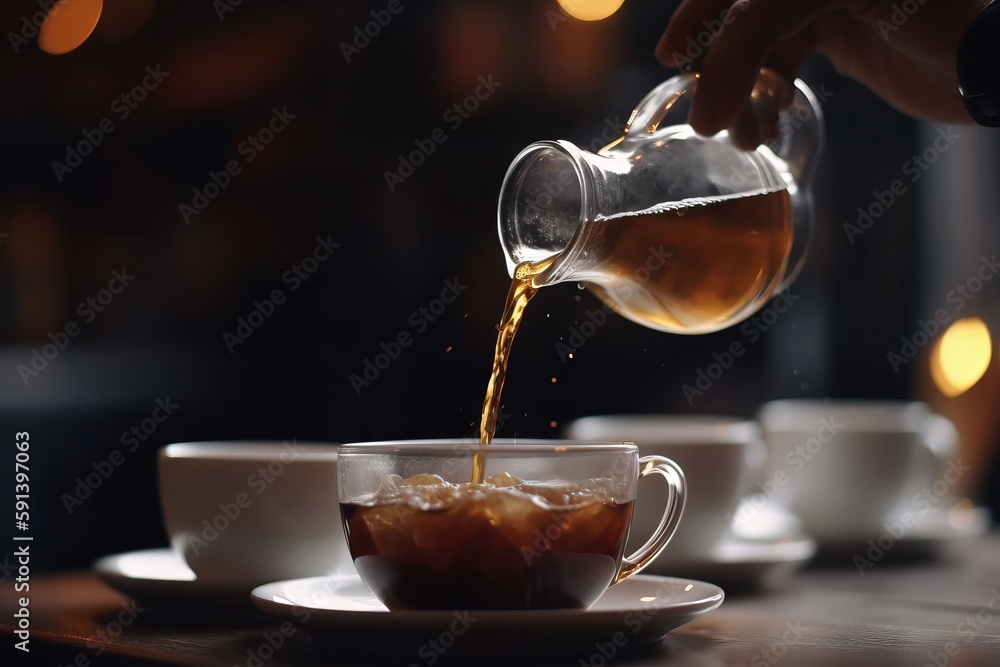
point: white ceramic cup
(720, 456)
(253, 512)
(846, 466)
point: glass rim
(499, 446)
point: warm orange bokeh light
(68, 25)
(590, 10)
(961, 356)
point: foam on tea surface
(506, 543)
(432, 492)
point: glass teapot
(673, 230)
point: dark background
(324, 176)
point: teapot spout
(546, 201)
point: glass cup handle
(649, 465)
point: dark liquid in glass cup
(484, 546)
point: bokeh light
(962, 515)
(68, 25)
(590, 10)
(961, 356)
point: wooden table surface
(927, 611)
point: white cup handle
(940, 437)
(755, 461)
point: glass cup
(545, 529)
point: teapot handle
(650, 112)
(800, 134)
(799, 145)
(800, 123)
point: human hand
(903, 50)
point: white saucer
(643, 609)
(742, 563)
(939, 525)
(935, 528)
(160, 577)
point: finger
(744, 133)
(785, 58)
(764, 104)
(690, 31)
(732, 64)
(775, 86)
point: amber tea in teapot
(695, 265)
